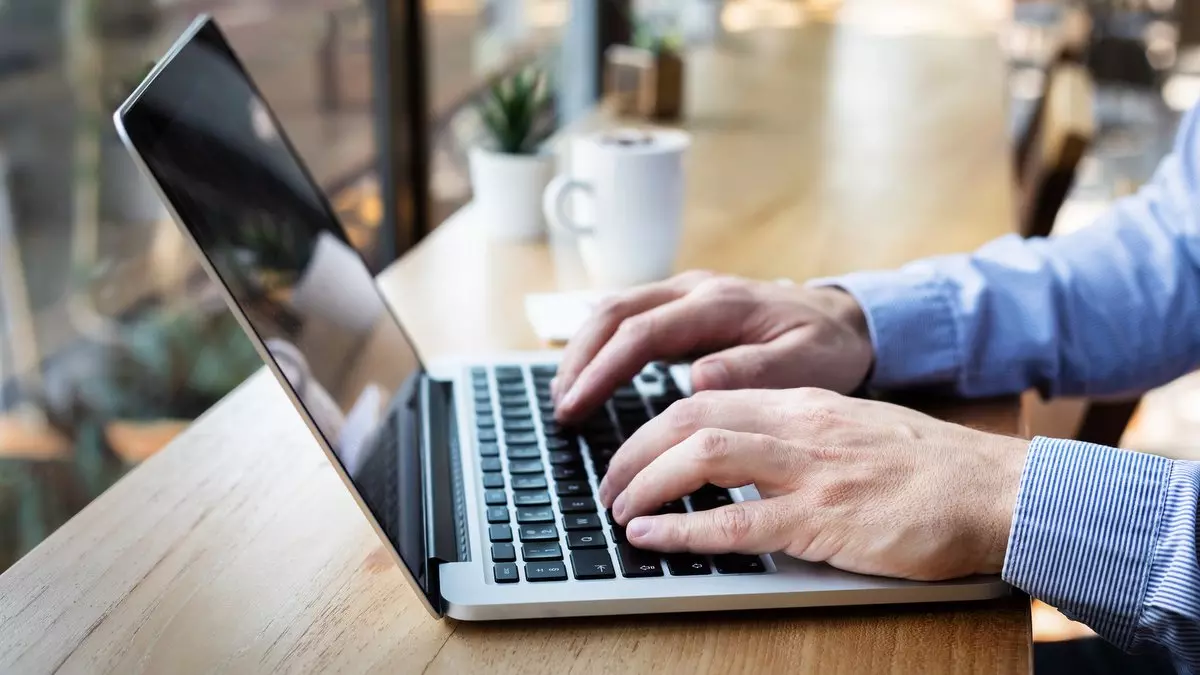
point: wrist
(1009, 455)
(845, 312)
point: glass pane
(472, 42)
(111, 337)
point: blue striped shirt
(1108, 536)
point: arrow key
(638, 563)
(687, 564)
(592, 564)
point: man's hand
(773, 336)
(868, 487)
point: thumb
(777, 364)
(758, 526)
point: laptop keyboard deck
(540, 479)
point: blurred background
(111, 338)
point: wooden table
(817, 150)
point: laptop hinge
(445, 503)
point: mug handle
(554, 204)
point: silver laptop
(486, 502)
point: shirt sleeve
(1109, 537)
(1111, 308)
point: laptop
(486, 502)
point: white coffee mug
(630, 182)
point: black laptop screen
(238, 188)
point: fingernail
(618, 507)
(710, 375)
(639, 527)
(603, 494)
(568, 400)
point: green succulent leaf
(512, 108)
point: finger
(777, 364)
(673, 329)
(759, 526)
(741, 411)
(601, 325)
(723, 458)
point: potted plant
(510, 172)
(660, 89)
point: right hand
(757, 334)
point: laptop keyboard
(539, 482)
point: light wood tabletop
(818, 149)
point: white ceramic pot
(508, 193)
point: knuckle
(693, 276)
(635, 328)
(736, 525)
(711, 446)
(613, 309)
(722, 287)
(687, 414)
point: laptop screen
(237, 186)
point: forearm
(1109, 538)
(1109, 309)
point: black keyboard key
(529, 482)
(687, 564)
(628, 405)
(673, 507)
(493, 481)
(518, 426)
(575, 472)
(486, 435)
(482, 397)
(525, 466)
(483, 409)
(570, 488)
(535, 514)
(609, 517)
(581, 521)
(735, 563)
(497, 514)
(511, 388)
(626, 391)
(546, 571)
(560, 443)
(524, 452)
(485, 422)
(515, 412)
(551, 428)
(495, 497)
(550, 551)
(539, 533)
(544, 370)
(531, 498)
(586, 539)
(513, 400)
(509, 373)
(506, 574)
(523, 438)
(489, 450)
(577, 505)
(592, 564)
(500, 533)
(504, 553)
(618, 534)
(710, 497)
(638, 563)
(564, 457)
(490, 464)
(546, 409)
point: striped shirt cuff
(1084, 532)
(913, 325)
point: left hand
(868, 487)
